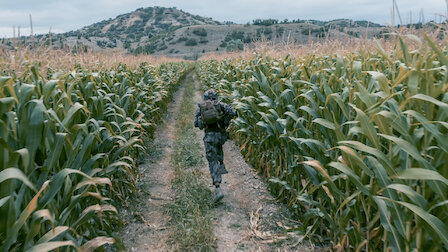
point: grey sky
(64, 16)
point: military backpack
(210, 112)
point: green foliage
(266, 31)
(318, 32)
(200, 32)
(69, 147)
(181, 39)
(191, 42)
(234, 35)
(190, 220)
(234, 45)
(265, 22)
(357, 145)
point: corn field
(357, 145)
(69, 149)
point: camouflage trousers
(213, 142)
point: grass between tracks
(190, 223)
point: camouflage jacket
(229, 114)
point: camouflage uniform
(215, 137)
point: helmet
(210, 95)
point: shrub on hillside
(191, 42)
(200, 32)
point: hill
(173, 32)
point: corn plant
(356, 144)
(69, 147)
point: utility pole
(446, 17)
(14, 35)
(49, 37)
(31, 26)
(392, 16)
(421, 19)
(398, 12)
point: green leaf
(421, 174)
(407, 147)
(367, 127)
(4, 200)
(435, 223)
(386, 223)
(442, 57)
(71, 114)
(382, 81)
(48, 246)
(413, 195)
(96, 243)
(14, 173)
(355, 179)
(13, 232)
(324, 123)
(6, 104)
(424, 97)
(53, 233)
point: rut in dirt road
(146, 227)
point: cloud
(72, 15)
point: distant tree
(235, 45)
(234, 35)
(265, 22)
(182, 39)
(279, 31)
(200, 32)
(191, 42)
(248, 38)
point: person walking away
(214, 116)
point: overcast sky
(63, 16)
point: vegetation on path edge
(190, 224)
(355, 144)
(69, 149)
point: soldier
(214, 116)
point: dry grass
(340, 46)
(60, 60)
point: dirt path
(145, 219)
(249, 218)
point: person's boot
(218, 194)
(222, 169)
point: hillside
(143, 22)
(173, 32)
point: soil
(146, 219)
(247, 219)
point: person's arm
(198, 120)
(229, 113)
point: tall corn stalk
(69, 149)
(356, 144)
